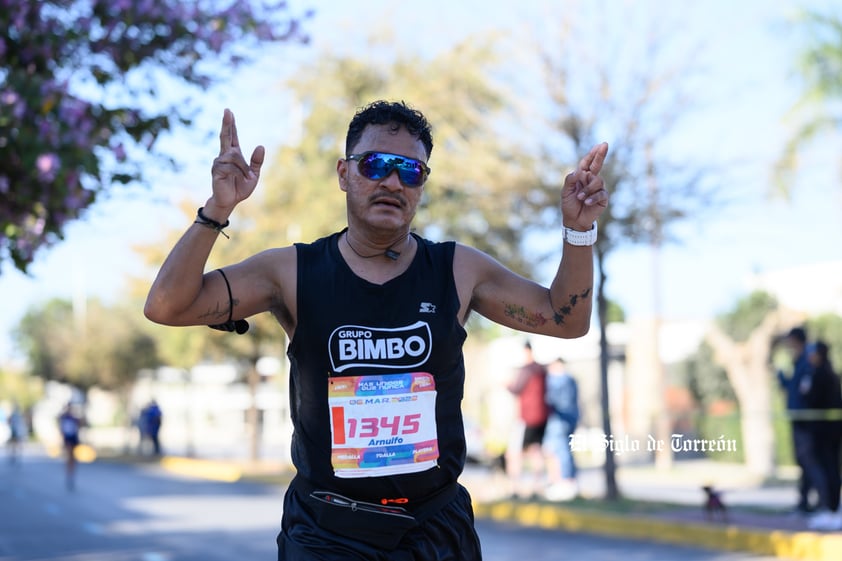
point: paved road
(131, 513)
(141, 513)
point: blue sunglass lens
(376, 165)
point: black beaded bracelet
(211, 223)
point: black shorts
(446, 535)
(533, 435)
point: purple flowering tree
(79, 101)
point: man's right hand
(234, 180)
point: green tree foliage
(614, 312)
(747, 315)
(711, 389)
(707, 380)
(817, 112)
(80, 96)
(17, 387)
(95, 346)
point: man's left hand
(583, 197)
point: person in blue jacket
(563, 399)
(803, 440)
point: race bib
(383, 424)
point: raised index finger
(594, 159)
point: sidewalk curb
(800, 546)
(205, 469)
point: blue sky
(751, 61)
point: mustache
(380, 197)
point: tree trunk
(746, 364)
(252, 414)
(612, 492)
(253, 417)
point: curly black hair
(395, 113)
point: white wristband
(576, 237)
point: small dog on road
(713, 506)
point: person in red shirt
(530, 387)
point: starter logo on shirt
(400, 348)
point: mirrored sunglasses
(379, 165)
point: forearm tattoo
(522, 316)
(537, 319)
(565, 310)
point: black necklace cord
(389, 253)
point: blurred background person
(525, 448)
(562, 397)
(802, 436)
(150, 426)
(18, 433)
(70, 424)
(823, 395)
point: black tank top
(341, 318)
